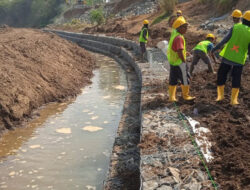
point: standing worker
(234, 56)
(177, 60)
(201, 51)
(236, 14)
(144, 38)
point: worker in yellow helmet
(236, 14)
(203, 51)
(177, 59)
(144, 38)
(234, 56)
(179, 13)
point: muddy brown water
(69, 145)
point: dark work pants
(143, 47)
(179, 73)
(224, 70)
(204, 57)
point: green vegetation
(93, 2)
(161, 18)
(97, 16)
(31, 13)
(167, 7)
(75, 25)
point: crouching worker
(177, 59)
(203, 51)
(144, 38)
(234, 56)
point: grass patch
(167, 7)
(160, 18)
(97, 16)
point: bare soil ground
(130, 27)
(37, 68)
(194, 11)
(229, 125)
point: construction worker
(203, 51)
(144, 38)
(236, 14)
(177, 59)
(179, 13)
(234, 56)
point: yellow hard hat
(246, 15)
(179, 22)
(179, 11)
(237, 13)
(145, 22)
(210, 36)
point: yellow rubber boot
(234, 96)
(185, 93)
(220, 93)
(172, 93)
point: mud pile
(229, 125)
(130, 29)
(37, 68)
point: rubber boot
(220, 93)
(234, 96)
(185, 93)
(172, 93)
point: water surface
(69, 145)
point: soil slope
(194, 11)
(37, 68)
(229, 125)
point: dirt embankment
(130, 27)
(229, 125)
(194, 11)
(37, 68)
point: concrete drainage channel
(166, 159)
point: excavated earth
(230, 126)
(37, 68)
